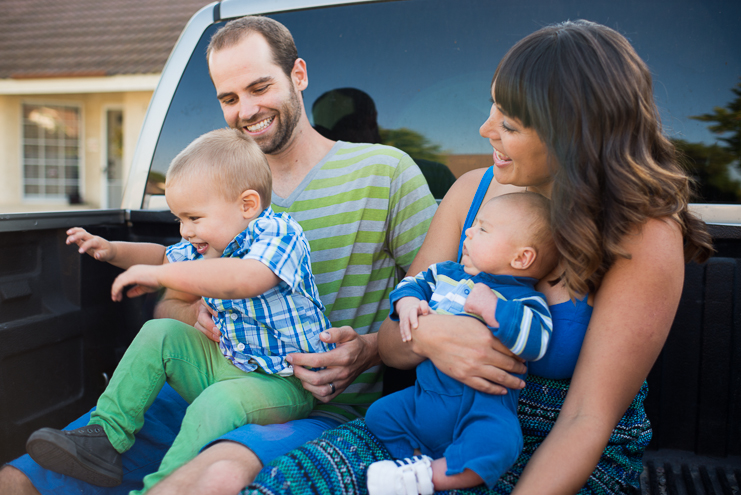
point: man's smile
(259, 126)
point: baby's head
(216, 186)
(511, 236)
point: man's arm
(189, 309)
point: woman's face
(520, 157)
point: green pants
(221, 396)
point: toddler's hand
(142, 277)
(408, 309)
(483, 302)
(95, 246)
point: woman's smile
(500, 159)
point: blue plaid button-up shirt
(288, 318)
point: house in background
(76, 77)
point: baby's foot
(411, 476)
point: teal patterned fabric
(337, 461)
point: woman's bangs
(509, 92)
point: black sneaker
(84, 453)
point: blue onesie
(439, 415)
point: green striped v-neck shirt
(365, 210)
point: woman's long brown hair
(589, 97)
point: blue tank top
(570, 319)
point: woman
(573, 118)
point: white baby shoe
(410, 476)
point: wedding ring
(331, 387)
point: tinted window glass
(427, 66)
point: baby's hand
(95, 246)
(483, 302)
(408, 309)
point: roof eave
(77, 85)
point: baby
(472, 436)
(254, 272)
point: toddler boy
(253, 270)
(473, 437)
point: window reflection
(717, 167)
(428, 68)
(349, 114)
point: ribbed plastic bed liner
(668, 472)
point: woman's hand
(468, 353)
(353, 355)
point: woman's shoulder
(656, 234)
(467, 184)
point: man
(365, 210)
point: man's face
(255, 95)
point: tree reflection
(717, 167)
(414, 143)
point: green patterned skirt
(336, 462)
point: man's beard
(290, 114)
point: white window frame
(104, 152)
(61, 198)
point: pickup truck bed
(61, 336)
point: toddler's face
(207, 219)
(492, 241)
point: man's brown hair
(278, 37)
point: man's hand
(143, 277)
(483, 302)
(205, 323)
(353, 355)
(408, 309)
(95, 246)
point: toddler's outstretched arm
(221, 278)
(117, 253)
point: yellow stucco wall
(93, 107)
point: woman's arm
(633, 312)
(461, 347)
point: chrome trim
(154, 119)
(239, 8)
(159, 104)
(718, 214)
